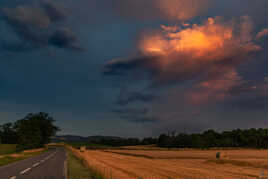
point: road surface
(50, 165)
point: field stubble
(180, 164)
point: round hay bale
(261, 175)
(83, 148)
(222, 155)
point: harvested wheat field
(188, 164)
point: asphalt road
(50, 165)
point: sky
(135, 68)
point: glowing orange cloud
(208, 55)
(187, 51)
(262, 33)
(211, 40)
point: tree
(165, 141)
(7, 134)
(35, 130)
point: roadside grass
(78, 170)
(8, 159)
(7, 149)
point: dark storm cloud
(34, 24)
(134, 114)
(27, 22)
(54, 11)
(119, 67)
(65, 38)
(125, 97)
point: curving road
(50, 165)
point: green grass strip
(77, 169)
(7, 149)
(7, 159)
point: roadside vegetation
(33, 131)
(14, 157)
(26, 137)
(77, 169)
(7, 149)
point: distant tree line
(125, 141)
(249, 138)
(33, 131)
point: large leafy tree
(7, 134)
(35, 130)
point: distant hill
(74, 138)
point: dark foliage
(8, 135)
(249, 138)
(33, 131)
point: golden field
(180, 164)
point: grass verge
(7, 149)
(8, 159)
(78, 170)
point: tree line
(125, 142)
(33, 131)
(36, 130)
(248, 138)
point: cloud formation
(34, 26)
(208, 55)
(125, 97)
(216, 89)
(65, 38)
(54, 11)
(262, 33)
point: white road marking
(13, 177)
(24, 171)
(36, 164)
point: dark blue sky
(54, 54)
